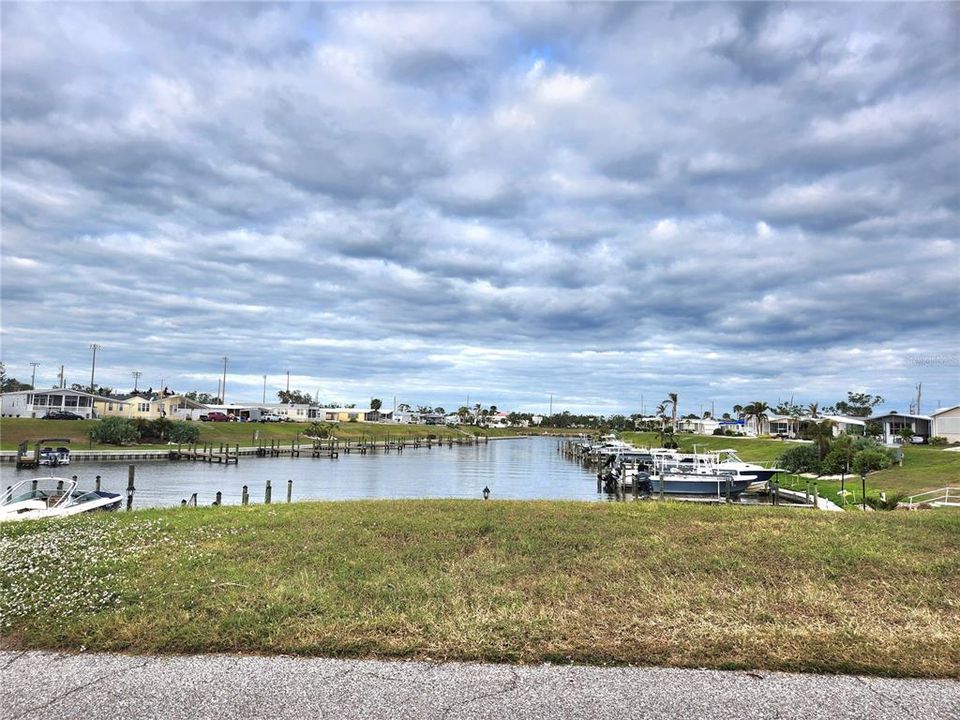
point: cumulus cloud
(506, 201)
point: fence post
(245, 496)
(289, 490)
(266, 494)
(131, 472)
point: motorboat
(675, 481)
(718, 462)
(53, 457)
(53, 497)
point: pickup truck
(214, 416)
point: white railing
(949, 495)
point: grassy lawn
(14, 430)
(646, 583)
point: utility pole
(93, 366)
(223, 388)
(288, 382)
(33, 376)
(62, 379)
(264, 400)
(136, 379)
(551, 406)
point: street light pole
(136, 378)
(93, 366)
(264, 400)
(223, 388)
(33, 376)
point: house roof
(898, 414)
(941, 411)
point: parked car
(62, 415)
(215, 416)
(271, 417)
(918, 440)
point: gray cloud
(595, 201)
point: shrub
(115, 431)
(719, 431)
(866, 443)
(937, 440)
(871, 460)
(803, 458)
(890, 503)
(836, 461)
(184, 432)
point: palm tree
(672, 401)
(661, 412)
(757, 411)
(813, 408)
(822, 433)
(738, 411)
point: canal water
(523, 469)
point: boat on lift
(47, 497)
(54, 457)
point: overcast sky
(602, 202)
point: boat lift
(25, 461)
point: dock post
(219, 499)
(245, 496)
(636, 484)
(806, 493)
(816, 496)
(727, 483)
(266, 494)
(60, 485)
(97, 486)
(599, 483)
(33, 486)
(661, 484)
(289, 490)
(776, 493)
(131, 472)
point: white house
(37, 403)
(892, 424)
(945, 423)
(700, 426)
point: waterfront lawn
(652, 583)
(15, 430)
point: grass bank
(15, 430)
(647, 583)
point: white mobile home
(945, 423)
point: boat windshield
(53, 491)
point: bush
(866, 443)
(937, 440)
(184, 432)
(890, 503)
(836, 461)
(871, 460)
(803, 458)
(115, 431)
(719, 431)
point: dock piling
(245, 496)
(219, 499)
(131, 473)
(289, 490)
(97, 486)
(266, 494)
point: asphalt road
(100, 686)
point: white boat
(52, 457)
(718, 462)
(53, 497)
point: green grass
(14, 430)
(647, 583)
